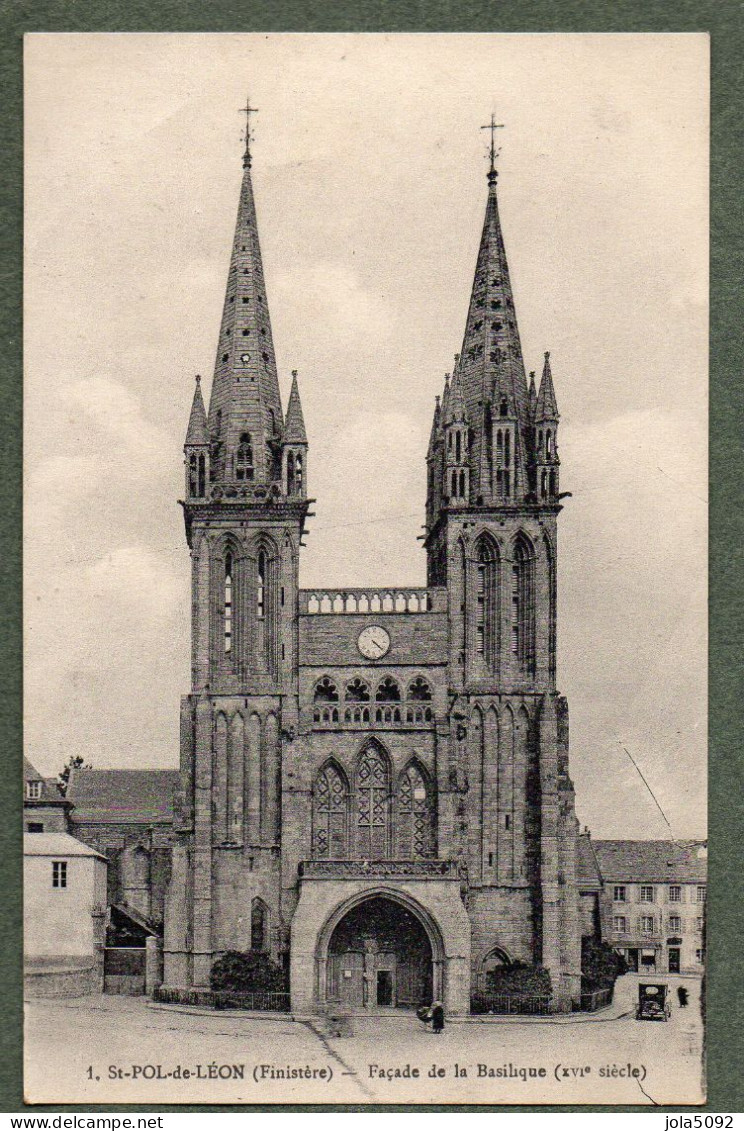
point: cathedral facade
(374, 783)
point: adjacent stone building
(655, 893)
(374, 782)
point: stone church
(374, 782)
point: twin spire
(488, 387)
(245, 429)
(246, 434)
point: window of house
(647, 893)
(647, 924)
(675, 893)
(618, 893)
(675, 924)
(698, 956)
(59, 873)
(699, 924)
(701, 893)
(620, 924)
(34, 827)
(33, 790)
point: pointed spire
(245, 391)
(456, 405)
(197, 433)
(434, 433)
(491, 366)
(294, 426)
(532, 393)
(446, 399)
(547, 406)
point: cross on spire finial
(493, 125)
(247, 110)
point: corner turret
(457, 466)
(294, 456)
(196, 447)
(546, 436)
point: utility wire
(648, 787)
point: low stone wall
(63, 979)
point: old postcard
(365, 432)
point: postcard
(365, 411)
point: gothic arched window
(244, 457)
(523, 624)
(326, 691)
(298, 473)
(388, 691)
(488, 429)
(419, 690)
(552, 594)
(415, 825)
(261, 586)
(357, 691)
(228, 603)
(373, 804)
(486, 603)
(290, 473)
(330, 814)
(259, 925)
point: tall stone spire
(491, 366)
(245, 399)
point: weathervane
(247, 110)
(493, 125)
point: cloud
(138, 581)
(335, 302)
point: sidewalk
(612, 1012)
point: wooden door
(345, 981)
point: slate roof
(123, 796)
(588, 875)
(50, 790)
(56, 844)
(650, 861)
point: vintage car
(653, 1002)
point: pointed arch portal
(380, 957)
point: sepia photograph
(365, 441)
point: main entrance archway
(379, 957)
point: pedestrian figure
(682, 995)
(437, 1016)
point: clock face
(373, 642)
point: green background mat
(724, 20)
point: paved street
(80, 1050)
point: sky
(369, 176)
